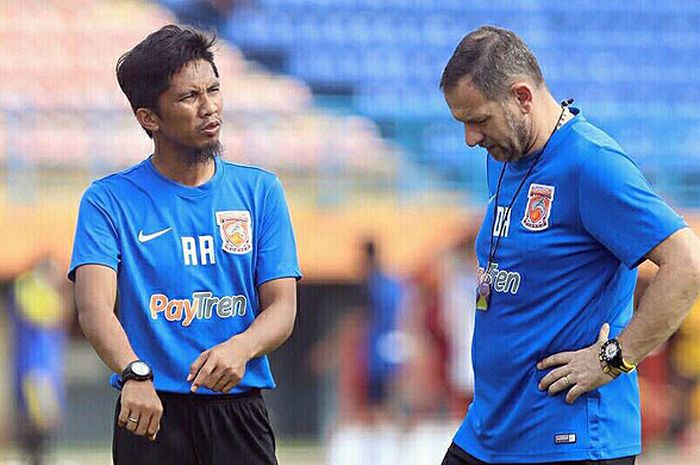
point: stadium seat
(74, 116)
(389, 55)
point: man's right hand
(141, 409)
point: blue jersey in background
(38, 334)
(385, 299)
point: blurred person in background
(386, 343)
(198, 257)
(39, 321)
(684, 379)
(437, 379)
(556, 342)
(339, 359)
(457, 297)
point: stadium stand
(633, 72)
(73, 113)
(64, 122)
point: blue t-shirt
(385, 294)
(38, 336)
(189, 260)
(583, 221)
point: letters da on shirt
(502, 280)
(203, 305)
(501, 224)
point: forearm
(95, 298)
(661, 310)
(107, 337)
(270, 329)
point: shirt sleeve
(96, 238)
(276, 250)
(620, 210)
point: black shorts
(457, 456)
(196, 429)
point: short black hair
(491, 57)
(144, 72)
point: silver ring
(135, 420)
(568, 382)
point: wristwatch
(611, 358)
(137, 370)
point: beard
(521, 135)
(193, 156)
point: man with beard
(198, 254)
(569, 219)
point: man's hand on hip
(578, 371)
(141, 409)
(220, 368)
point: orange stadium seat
(70, 50)
(53, 139)
(61, 108)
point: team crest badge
(236, 231)
(539, 207)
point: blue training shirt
(583, 221)
(38, 336)
(385, 294)
(189, 260)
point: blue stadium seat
(633, 68)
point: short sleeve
(620, 210)
(276, 250)
(96, 237)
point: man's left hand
(579, 371)
(220, 368)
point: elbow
(693, 271)
(694, 262)
(290, 326)
(87, 319)
(83, 321)
(695, 278)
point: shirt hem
(568, 455)
(641, 258)
(108, 264)
(292, 274)
(114, 384)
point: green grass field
(297, 454)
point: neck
(175, 165)
(544, 123)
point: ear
(522, 92)
(148, 119)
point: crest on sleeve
(236, 231)
(539, 207)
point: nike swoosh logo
(143, 238)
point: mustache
(217, 120)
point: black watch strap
(137, 370)
(613, 363)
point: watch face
(140, 369)
(610, 351)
